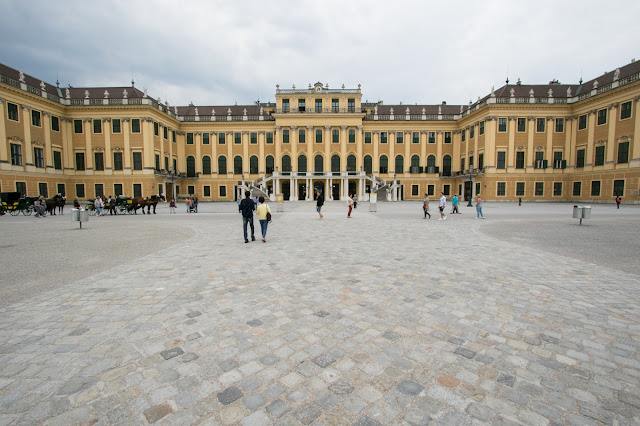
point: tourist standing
(187, 203)
(195, 204)
(264, 214)
(442, 205)
(112, 205)
(479, 202)
(319, 204)
(246, 208)
(425, 206)
(618, 201)
(454, 205)
(350, 205)
(98, 206)
(172, 206)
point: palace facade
(564, 142)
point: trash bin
(577, 212)
(373, 202)
(581, 212)
(79, 215)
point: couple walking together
(246, 207)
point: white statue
(550, 93)
(261, 111)
(106, 94)
(439, 109)
(375, 110)
(408, 111)
(569, 92)
(493, 92)
(125, 94)
(42, 86)
(512, 91)
(213, 111)
(86, 94)
(531, 93)
(21, 77)
(196, 110)
(616, 75)
(595, 84)
(391, 111)
(67, 93)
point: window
(61, 189)
(99, 189)
(191, 166)
(335, 164)
(175, 167)
(625, 110)
(399, 166)
(558, 163)
(520, 160)
(522, 124)
(577, 189)
(502, 124)
(481, 161)
(173, 136)
(462, 163)
(79, 190)
(595, 188)
(117, 161)
(431, 163)
(222, 165)
(559, 125)
(318, 105)
(38, 157)
(77, 126)
(302, 164)
(472, 132)
(471, 161)
(157, 168)
(415, 137)
(540, 125)
(222, 190)
(415, 190)
(383, 137)
(43, 190)
(481, 128)
(335, 105)
(165, 132)
(618, 187)
(285, 105)
(237, 165)
(351, 105)
(539, 189)
(57, 160)
(302, 136)
(318, 164)
(502, 189)
(368, 164)
(335, 136)
(222, 138)
(446, 165)
(519, 189)
(399, 137)
(237, 138)
(270, 164)
(463, 134)
(166, 163)
(80, 161)
(384, 164)
(301, 105)
(501, 160)
(446, 189)
(137, 160)
(97, 126)
(253, 137)
(55, 123)
(155, 129)
(115, 125)
(16, 154)
(36, 118)
(318, 135)
(206, 190)
(12, 112)
(367, 137)
(540, 162)
(432, 137)
(582, 122)
(137, 190)
(352, 135)
(21, 187)
(602, 116)
(189, 138)
(447, 137)
(206, 138)
(580, 158)
(135, 125)
(415, 164)
(557, 189)
(253, 165)
(270, 137)
(599, 160)
(431, 189)
(623, 152)
(98, 161)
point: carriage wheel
(92, 212)
(129, 211)
(27, 211)
(14, 212)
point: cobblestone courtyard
(385, 318)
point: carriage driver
(112, 205)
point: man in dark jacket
(247, 207)
(319, 204)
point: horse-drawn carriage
(14, 203)
(124, 205)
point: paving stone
(228, 365)
(278, 408)
(253, 402)
(453, 418)
(366, 421)
(507, 380)
(171, 353)
(341, 388)
(409, 387)
(629, 399)
(464, 352)
(76, 385)
(157, 412)
(273, 391)
(254, 322)
(326, 400)
(417, 418)
(323, 361)
(229, 395)
(307, 414)
(480, 411)
(194, 314)
(269, 359)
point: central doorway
(286, 190)
(302, 191)
(335, 191)
(318, 186)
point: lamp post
(470, 189)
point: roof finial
(507, 80)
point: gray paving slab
(384, 318)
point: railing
(33, 90)
(53, 97)
(223, 118)
(9, 81)
(502, 100)
(300, 175)
(312, 91)
(115, 101)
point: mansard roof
(221, 110)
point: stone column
(326, 141)
(278, 141)
(106, 129)
(476, 155)
(359, 156)
(261, 157)
(161, 154)
(230, 162)
(147, 146)
(611, 137)
(376, 152)
(490, 143)
(548, 149)
(293, 141)
(88, 156)
(126, 132)
(511, 154)
(392, 152)
(309, 142)
(591, 126)
(181, 163)
(48, 152)
(407, 152)
(635, 148)
(570, 143)
(4, 148)
(198, 141)
(67, 145)
(214, 153)
(245, 153)
(26, 125)
(344, 140)
(439, 142)
(423, 148)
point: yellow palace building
(539, 142)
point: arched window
(446, 165)
(368, 164)
(384, 164)
(286, 164)
(335, 164)
(237, 165)
(431, 161)
(270, 164)
(206, 165)
(191, 166)
(399, 164)
(351, 163)
(318, 164)
(302, 164)
(222, 165)
(253, 165)
(415, 162)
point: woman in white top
(98, 205)
(264, 212)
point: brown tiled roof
(31, 81)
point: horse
(138, 202)
(155, 199)
(57, 201)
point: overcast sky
(223, 52)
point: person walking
(112, 206)
(425, 206)
(98, 206)
(187, 203)
(172, 206)
(479, 202)
(319, 204)
(618, 201)
(194, 204)
(454, 205)
(247, 207)
(350, 205)
(442, 205)
(264, 214)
